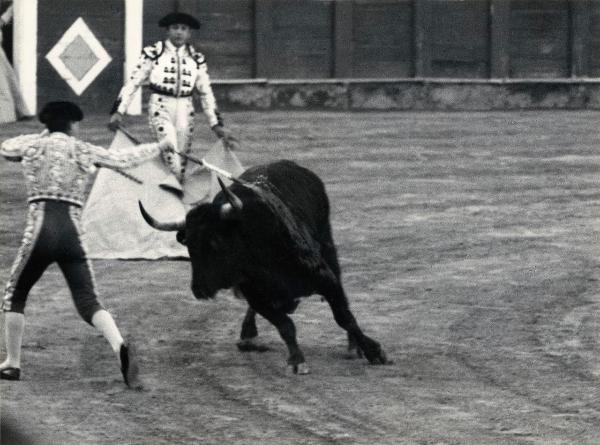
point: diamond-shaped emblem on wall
(78, 56)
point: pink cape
(112, 223)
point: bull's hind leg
(336, 298)
(287, 330)
(249, 325)
(248, 341)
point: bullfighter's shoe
(129, 366)
(10, 373)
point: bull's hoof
(379, 359)
(250, 344)
(299, 369)
(374, 352)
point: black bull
(268, 235)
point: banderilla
(190, 158)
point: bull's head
(212, 234)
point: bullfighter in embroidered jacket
(57, 169)
(174, 70)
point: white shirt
(171, 71)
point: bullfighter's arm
(138, 77)
(207, 97)
(13, 149)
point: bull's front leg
(335, 296)
(287, 330)
(248, 335)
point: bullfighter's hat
(179, 18)
(60, 110)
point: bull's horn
(169, 227)
(235, 204)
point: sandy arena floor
(470, 249)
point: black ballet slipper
(10, 373)
(129, 366)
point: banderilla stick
(121, 172)
(208, 165)
(190, 158)
(117, 169)
(127, 133)
(212, 167)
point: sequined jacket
(173, 72)
(58, 166)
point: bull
(268, 235)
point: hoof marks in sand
(248, 345)
(299, 369)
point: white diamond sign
(78, 56)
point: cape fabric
(112, 223)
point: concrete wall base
(422, 94)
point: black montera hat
(179, 17)
(60, 110)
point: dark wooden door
(105, 22)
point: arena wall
(422, 94)
(340, 54)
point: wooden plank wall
(106, 20)
(539, 38)
(594, 39)
(320, 39)
(226, 35)
(382, 42)
(479, 39)
(460, 38)
(296, 39)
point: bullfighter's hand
(115, 121)
(219, 130)
(166, 145)
(230, 141)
